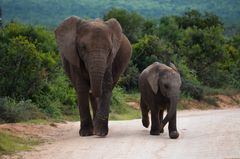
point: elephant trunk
(96, 68)
(171, 111)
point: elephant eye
(83, 46)
(166, 86)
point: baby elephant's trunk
(171, 111)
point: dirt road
(203, 134)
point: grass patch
(11, 144)
(119, 108)
(134, 96)
(126, 113)
(37, 121)
(50, 120)
(71, 117)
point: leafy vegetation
(119, 108)
(33, 84)
(195, 43)
(31, 75)
(12, 112)
(132, 27)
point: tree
(231, 62)
(150, 27)
(131, 22)
(30, 69)
(194, 18)
(21, 69)
(168, 29)
(204, 50)
(150, 49)
(129, 80)
(1, 23)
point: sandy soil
(203, 134)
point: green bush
(58, 97)
(129, 80)
(25, 60)
(203, 50)
(211, 101)
(190, 83)
(231, 62)
(48, 106)
(146, 51)
(30, 65)
(117, 101)
(192, 90)
(12, 111)
(119, 110)
(30, 69)
(132, 23)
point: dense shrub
(131, 22)
(190, 83)
(117, 100)
(13, 111)
(33, 79)
(24, 68)
(129, 80)
(58, 97)
(192, 90)
(30, 69)
(146, 51)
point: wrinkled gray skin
(160, 89)
(94, 54)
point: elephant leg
(161, 118)
(94, 104)
(172, 127)
(145, 110)
(102, 114)
(155, 127)
(86, 128)
(82, 89)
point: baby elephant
(160, 89)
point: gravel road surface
(203, 134)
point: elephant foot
(174, 134)
(100, 126)
(162, 130)
(154, 131)
(86, 130)
(145, 122)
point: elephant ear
(116, 31)
(153, 77)
(65, 35)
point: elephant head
(166, 81)
(94, 43)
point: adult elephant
(94, 54)
(160, 89)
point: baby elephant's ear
(173, 67)
(152, 79)
(116, 31)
